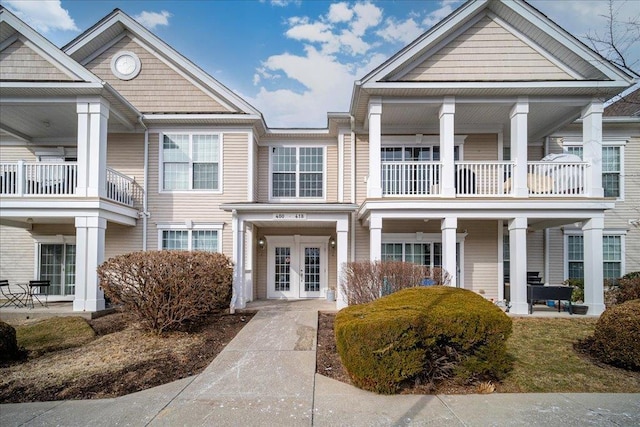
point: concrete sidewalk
(266, 377)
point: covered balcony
(42, 179)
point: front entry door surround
(296, 266)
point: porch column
(93, 117)
(374, 187)
(342, 241)
(449, 265)
(519, 137)
(375, 238)
(592, 147)
(90, 232)
(593, 274)
(447, 138)
(238, 229)
(518, 265)
(249, 248)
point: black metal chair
(38, 289)
(12, 298)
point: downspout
(353, 187)
(145, 213)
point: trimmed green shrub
(578, 289)
(616, 338)
(426, 333)
(168, 290)
(369, 280)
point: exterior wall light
(261, 243)
(332, 243)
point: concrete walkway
(266, 377)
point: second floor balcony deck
(41, 179)
(483, 179)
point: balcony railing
(40, 179)
(484, 179)
(410, 178)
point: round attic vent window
(125, 65)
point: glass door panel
(58, 265)
(283, 269)
(312, 271)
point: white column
(90, 241)
(447, 139)
(342, 239)
(593, 274)
(374, 187)
(592, 147)
(518, 264)
(519, 138)
(449, 265)
(238, 299)
(249, 249)
(375, 238)
(93, 117)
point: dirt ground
(328, 363)
(121, 360)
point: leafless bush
(369, 280)
(168, 290)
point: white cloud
(446, 7)
(400, 31)
(153, 19)
(312, 32)
(43, 16)
(367, 15)
(340, 12)
(283, 3)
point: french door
(58, 265)
(297, 266)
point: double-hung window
(190, 240)
(191, 161)
(611, 167)
(297, 172)
(611, 256)
(428, 254)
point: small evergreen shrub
(578, 289)
(8, 343)
(616, 338)
(369, 280)
(423, 333)
(168, 290)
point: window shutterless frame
(295, 173)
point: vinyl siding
(158, 88)
(346, 175)
(535, 152)
(556, 256)
(263, 174)
(18, 254)
(122, 239)
(481, 257)
(19, 62)
(535, 252)
(332, 173)
(481, 147)
(125, 154)
(178, 207)
(16, 153)
(362, 167)
(486, 52)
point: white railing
(119, 187)
(557, 179)
(57, 179)
(410, 178)
(482, 178)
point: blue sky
(294, 60)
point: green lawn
(56, 333)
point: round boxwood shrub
(431, 332)
(616, 339)
(9, 349)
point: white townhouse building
(118, 143)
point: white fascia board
(166, 50)
(68, 209)
(291, 207)
(424, 40)
(197, 116)
(51, 85)
(48, 47)
(568, 40)
(497, 85)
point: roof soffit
(102, 35)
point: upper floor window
(297, 172)
(191, 162)
(611, 167)
(415, 154)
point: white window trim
(622, 232)
(419, 141)
(191, 133)
(298, 199)
(58, 239)
(189, 226)
(621, 143)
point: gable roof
(15, 35)
(627, 106)
(576, 69)
(117, 22)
